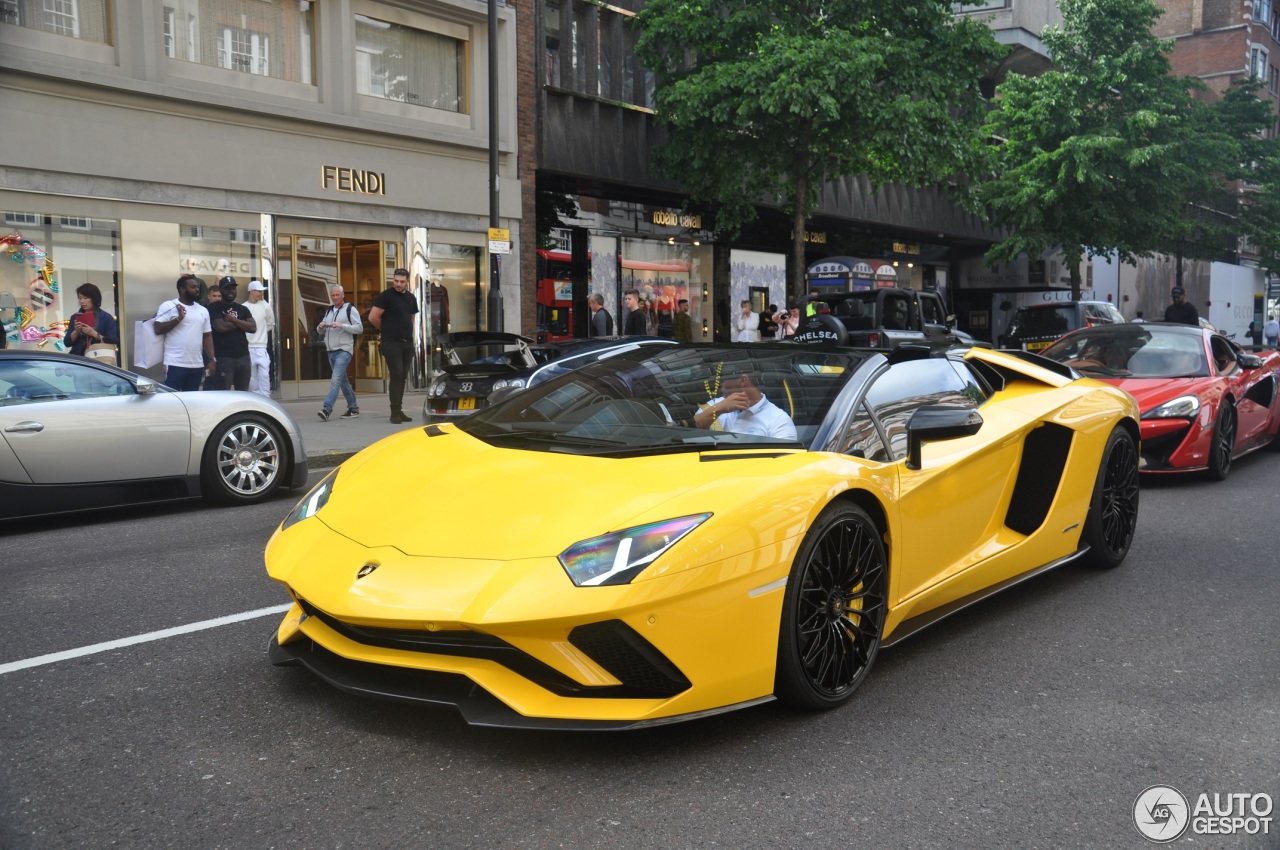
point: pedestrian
(92, 324)
(791, 320)
(265, 320)
(811, 303)
(392, 313)
(188, 337)
(682, 322)
(601, 323)
(633, 321)
(769, 323)
(208, 297)
(338, 328)
(1271, 330)
(1181, 311)
(232, 323)
(1137, 317)
(746, 324)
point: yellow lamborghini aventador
(675, 532)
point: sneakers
(323, 414)
(350, 414)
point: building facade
(303, 143)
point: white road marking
(54, 657)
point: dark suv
(1038, 326)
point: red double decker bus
(555, 296)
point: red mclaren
(1204, 400)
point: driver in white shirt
(743, 409)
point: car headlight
(312, 502)
(1182, 407)
(509, 384)
(618, 557)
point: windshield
(1043, 321)
(674, 398)
(1133, 351)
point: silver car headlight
(509, 384)
(618, 557)
(437, 389)
(312, 502)
(1182, 407)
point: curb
(327, 460)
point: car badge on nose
(366, 569)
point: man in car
(1181, 311)
(743, 409)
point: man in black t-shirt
(1181, 311)
(232, 323)
(392, 313)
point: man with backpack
(338, 328)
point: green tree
(1261, 218)
(765, 101)
(1097, 155)
(1225, 146)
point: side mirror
(938, 422)
(950, 320)
(1251, 361)
(145, 386)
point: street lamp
(495, 261)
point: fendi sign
(353, 180)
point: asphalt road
(1032, 720)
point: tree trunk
(1072, 257)
(797, 286)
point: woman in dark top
(92, 324)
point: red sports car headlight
(1182, 407)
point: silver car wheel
(245, 461)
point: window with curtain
(86, 20)
(250, 36)
(410, 65)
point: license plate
(1036, 346)
(467, 403)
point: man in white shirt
(747, 324)
(743, 409)
(1271, 330)
(188, 337)
(264, 319)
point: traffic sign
(499, 246)
(499, 234)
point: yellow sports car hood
(454, 496)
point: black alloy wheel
(244, 461)
(834, 610)
(1113, 512)
(1224, 443)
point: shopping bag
(148, 347)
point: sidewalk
(330, 443)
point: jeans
(338, 361)
(183, 378)
(1271, 341)
(399, 356)
(232, 374)
(259, 371)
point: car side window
(1223, 357)
(863, 438)
(39, 381)
(909, 386)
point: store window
(212, 253)
(46, 262)
(83, 19)
(249, 36)
(664, 274)
(409, 65)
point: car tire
(1224, 443)
(834, 610)
(244, 460)
(1113, 510)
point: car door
(1248, 387)
(933, 316)
(70, 422)
(948, 507)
